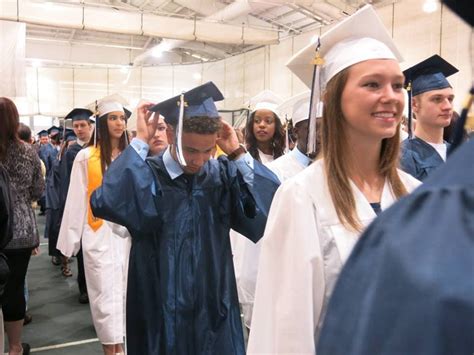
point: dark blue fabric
(408, 286)
(419, 159)
(376, 207)
(182, 296)
(47, 153)
(429, 82)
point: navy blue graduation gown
(408, 286)
(65, 170)
(418, 158)
(182, 296)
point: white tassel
(179, 132)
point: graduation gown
(182, 297)
(418, 158)
(53, 216)
(248, 253)
(105, 253)
(408, 287)
(303, 250)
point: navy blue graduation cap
(70, 135)
(428, 75)
(195, 102)
(53, 130)
(43, 133)
(79, 114)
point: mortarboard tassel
(96, 115)
(410, 119)
(287, 134)
(179, 132)
(315, 109)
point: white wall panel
(254, 67)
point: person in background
(318, 215)
(105, 246)
(264, 132)
(432, 105)
(82, 129)
(159, 142)
(27, 184)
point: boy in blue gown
(432, 104)
(179, 207)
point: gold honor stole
(94, 180)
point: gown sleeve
(75, 210)
(290, 284)
(125, 196)
(251, 199)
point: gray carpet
(58, 317)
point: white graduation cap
(355, 39)
(266, 100)
(105, 105)
(296, 107)
(110, 103)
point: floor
(61, 325)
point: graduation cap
(428, 75)
(70, 135)
(79, 114)
(266, 100)
(43, 133)
(198, 101)
(110, 103)
(53, 130)
(107, 104)
(463, 8)
(355, 39)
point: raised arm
(126, 194)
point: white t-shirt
(440, 148)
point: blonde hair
(336, 158)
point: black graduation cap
(197, 102)
(463, 8)
(428, 75)
(79, 114)
(43, 133)
(53, 130)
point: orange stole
(94, 180)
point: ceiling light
(314, 39)
(124, 69)
(430, 6)
(197, 76)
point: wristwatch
(240, 150)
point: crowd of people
(187, 237)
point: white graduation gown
(303, 250)
(244, 250)
(105, 254)
(284, 167)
